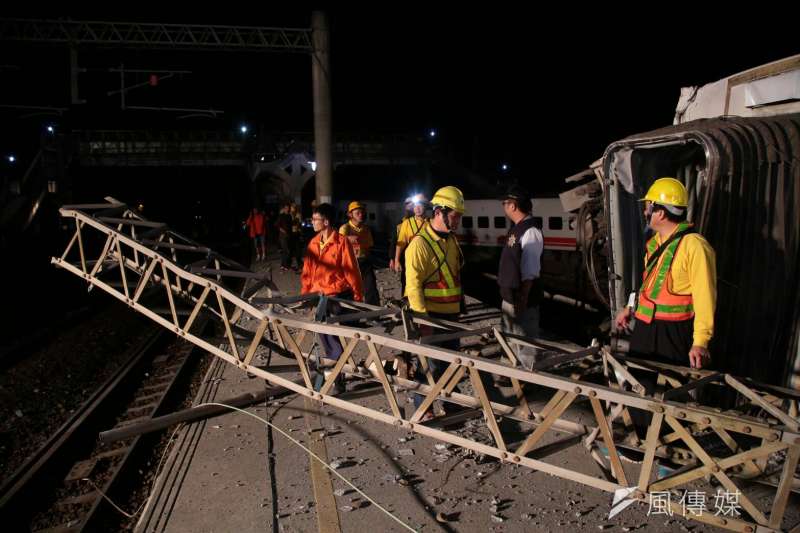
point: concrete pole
(73, 76)
(320, 75)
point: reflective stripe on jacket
(433, 268)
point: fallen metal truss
(590, 393)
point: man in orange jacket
(330, 268)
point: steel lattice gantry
(115, 250)
(152, 35)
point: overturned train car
(743, 177)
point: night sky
(544, 93)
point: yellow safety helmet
(667, 191)
(450, 197)
(356, 205)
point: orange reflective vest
(656, 301)
(442, 286)
(360, 238)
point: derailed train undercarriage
(115, 250)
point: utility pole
(321, 79)
(73, 76)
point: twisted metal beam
(108, 254)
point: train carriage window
(538, 222)
(500, 222)
(483, 222)
(555, 223)
(466, 222)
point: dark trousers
(296, 250)
(370, 282)
(283, 241)
(331, 344)
(663, 342)
(403, 274)
(438, 367)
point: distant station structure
(288, 159)
(313, 42)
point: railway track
(60, 487)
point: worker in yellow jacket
(676, 302)
(433, 268)
(674, 308)
(409, 228)
(406, 231)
